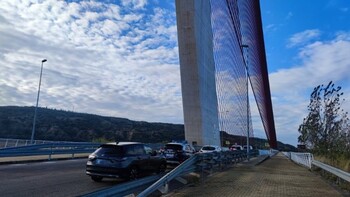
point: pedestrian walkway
(277, 176)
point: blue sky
(120, 58)
(307, 44)
(321, 20)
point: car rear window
(173, 146)
(208, 148)
(137, 149)
(110, 151)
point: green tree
(326, 127)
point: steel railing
(202, 163)
(6, 142)
(49, 149)
(125, 189)
(339, 173)
(186, 167)
(307, 160)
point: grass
(341, 162)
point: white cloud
(136, 4)
(304, 37)
(289, 15)
(116, 60)
(271, 27)
(321, 62)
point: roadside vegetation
(325, 131)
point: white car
(245, 147)
(236, 147)
(210, 149)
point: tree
(326, 127)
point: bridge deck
(275, 177)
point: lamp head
(44, 60)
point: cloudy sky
(307, 44)
(120, 58)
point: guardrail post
(50, 152)
(71, 148)
(164, 189)
(311, 159)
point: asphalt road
(52, 178)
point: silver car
(210, 149)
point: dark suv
(125, 160)
(177, 152)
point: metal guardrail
(339, 173)
(125, 189)
(201, 163)
(53, 148)
(49, 149)
(307, 160)
(273, 152)
(6, 142)
(186, 167)
(270, 152)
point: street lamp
(37, 101)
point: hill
(59, 125)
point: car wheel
(133, 173)
(97, 178)
(161, 168)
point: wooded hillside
(59, 125)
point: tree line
(60, 125)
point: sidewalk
(276, 176)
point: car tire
(97, 178)
(133, 173)
(161, 168)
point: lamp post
(37, 101)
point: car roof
(176, 143)
(121, 143)
(211, 146)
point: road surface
(52, 178)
